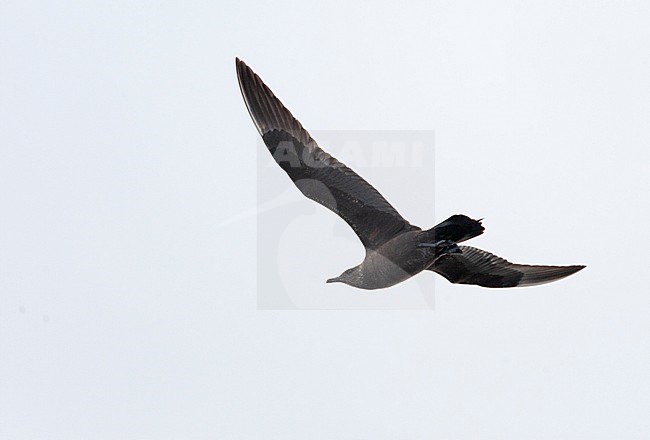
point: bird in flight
(395, 249)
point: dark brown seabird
(395, 249)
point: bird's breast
(394, 262)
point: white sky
(128, 312)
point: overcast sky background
(128, 312)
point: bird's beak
(334, 280)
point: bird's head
(352, 276)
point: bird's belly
(381, 271)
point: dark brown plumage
(395, 249)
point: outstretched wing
(475, 266)
(318, 175)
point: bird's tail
(457, 228)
